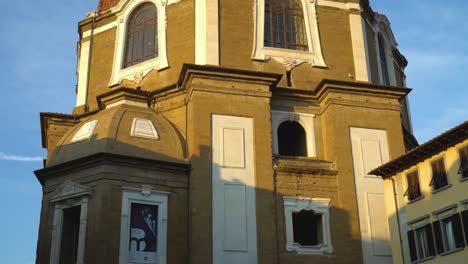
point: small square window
(413, 192)
(307, 228)
(439, 175)
(307, 225)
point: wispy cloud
(8, 157)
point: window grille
(142, 35)
(284, 25)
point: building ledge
(303, 165)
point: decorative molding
(313, 56)
(446, 211)
(289, 63)
(101, 29)
(69, 190)
(138, 72)
(68, 195)
(418, 222)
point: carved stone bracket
(289, 63)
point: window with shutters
(448, 233)
(414, 191)
(421, 242)
(463, 169)
(439, 175)
(464, 216)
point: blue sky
(38, 51)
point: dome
(125, 129)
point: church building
(226, 132)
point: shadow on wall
(190, 207)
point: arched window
(383, 61)
(284, 25)
(141, 41)
(292, 139)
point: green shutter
(438, 237)
(412, 245)
(458, 231)
(464, 215)
(430, 239)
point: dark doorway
(70, 235)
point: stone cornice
(226, 80)
(46, 117)
(113, 159)
(303, 165)
(327, 85)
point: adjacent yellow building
(427, 200)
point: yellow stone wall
(430, 202)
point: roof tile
(106, 4)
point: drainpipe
(398, 217)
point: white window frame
(318, 205)
(306, 121)
(415, 225)
(290, 58)
(66, 196)
(143, 196)
(138, 71)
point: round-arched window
(292, 139)
(141, 42)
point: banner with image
(143, 240)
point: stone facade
(181, 101)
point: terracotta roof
(434, 146)
(106, 4)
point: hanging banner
(143, 233)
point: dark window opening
(142, 35)
(439, 175)
(463, 170)
(70, 235)
(307, 228)
(383, 61)
(413, 192)
(292, 139)
(284, 25)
